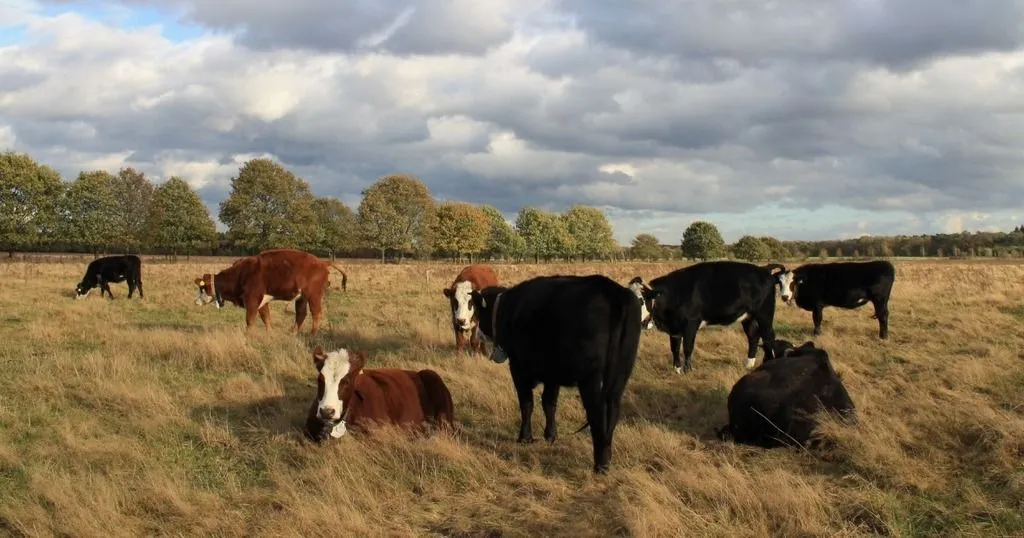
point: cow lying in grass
(349, 395)
(774, 405)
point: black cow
(565, 331)
(775, 405)
(848, 285)
(102, 271)
(714, 293)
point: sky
(803, 119)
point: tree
(28, 196)
(503, 240)
(544, 233)
(133, 195)
(336, 228)
(88, 211)
(460, 229)
(702, 241)
(646, 247)
(396, 213)
(591, 232)
(776, 249)
(269, 207)
(751, 249)
(178, 219)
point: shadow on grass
(279, 415)
(697, 411)
(349, 339)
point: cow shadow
(350, 339)
(252, 421)
(698, 411)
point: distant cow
(848, 285)
(775, 405)
(714, 293)
(349, 395)
(102, 271)
(464, 320)
(565, 331)
(253, 282)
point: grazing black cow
(848, 285)
(775, 405)
(565, 331)
(102, 271)
(714, 293)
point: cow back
(387, 395)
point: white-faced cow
(637, 286)
(714, 293)
(848, 285)
(464, 319)
(102, 271)
(776, 404)
(564, 331)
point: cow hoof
(751, 362)
(338, 430)
(550, 438)
(679, 369)
(526, 440)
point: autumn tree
(396, 214)
(87, 212)
(702, 241)
(591, 232)
(178, 219)
(336, 229)
(503, 240)
(460, 229)
(751, 249)
(29, 193)
(133, 195)
(268, 207)
(645, 247)
(776, 249)
(544, 233)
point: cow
(848, 285)
(636, 285)
(714, 293)
(776, 404)
(348, 394)
(565, 331)
(464, 319)
(101, 271)
(253, 282)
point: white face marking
(86, 294)
(787, 285)
(463, 311)
(646, 321)
(336, 367)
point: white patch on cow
(266, 299)
(702, 325)
(84, 295)
(786, 283)
(336, 367)
(338, 430)
(462, 314)
(646, 322)
(742, 317)
(751, 361)
(679, 369)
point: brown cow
(253, 282)
(464, 321)
(348, 395)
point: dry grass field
(161, 418)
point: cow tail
(344, 277)
(442, 407)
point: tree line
(270, 207)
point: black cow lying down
(775, 404)
(102, 271)
(565, 331)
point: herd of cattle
(567, 331)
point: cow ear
(199, 282)
(448, 293)
(319, 356)
(358, 361)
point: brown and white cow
(349, 395)
(464, 321)
(253, 282)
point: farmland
(159, 417)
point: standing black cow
(775, 405)
(715, 293)
(565, 331)
(102, 271)
(848, 285)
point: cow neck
(494, 319)
(355, 394)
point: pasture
(159, 417)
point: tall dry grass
(160, 418)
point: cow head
(788, 282)
(335, 388)
(207, 291)
(463, 311)
(638, 287)
(484, 303)
(84, 288)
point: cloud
(797, 119)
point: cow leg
(105, 287)
(596, 408)
(264, 312)
(316, 308)
(301, 309)
(525, 393)
(673, 344)
(816, 317)
(689, 339)
(767, 332)
(474, 340)
(882, 313)
(750, 328)
(138, 284)
(460, 339)
(549, 401)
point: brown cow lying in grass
(347, 395)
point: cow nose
(462, 321)
(326, 412)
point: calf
(348, 395)
(464, 319)
(714, 293)
(848, 285)
(102, 271)
(775, 405)
(565, 331)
